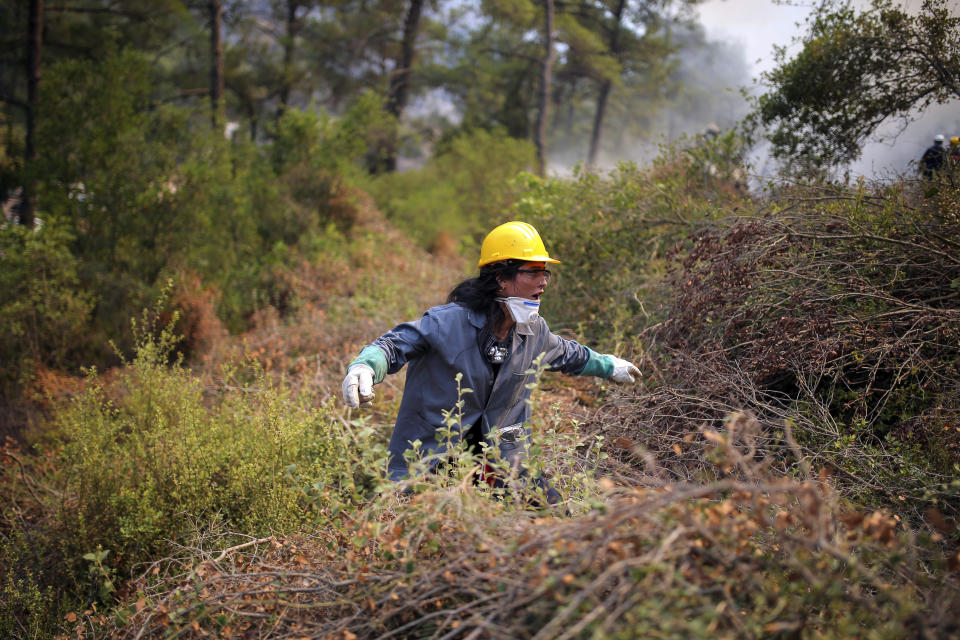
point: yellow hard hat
(955, 140)
(516, 240)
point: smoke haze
(757, 26)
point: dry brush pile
(759, 556)
(835, 310)
(786, 471)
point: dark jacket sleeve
(407, 341)
(567, 356)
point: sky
(759, 25)
(756, 25)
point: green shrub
(143, 188)
(333, 147)
(466, 189)
(43, 308)
(613, 234)
(33, 593)
(111, 164)
(152, 458)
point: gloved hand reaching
(623, 371)
(357, 387)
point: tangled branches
(837, 311)
(744, 557)
(804, 366)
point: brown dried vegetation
(785, 471)
(745, 494)
(835, 310)
(754, 557)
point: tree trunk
(289, 49)
(598, 123)
(400, 81)
(605, 88)
(399, 89)
(216, 61)
(34, 49)
(546, 69)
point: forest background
(211, 207)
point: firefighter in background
(933, 158)
(954, 152)
(489, 332)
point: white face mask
(523, 311)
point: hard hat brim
(524, 258)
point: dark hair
(479, 293)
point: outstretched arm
(386, 354)
(606, 365)
(569, 356)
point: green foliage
(463, 191)
(132, 191)
(334, 146)
(612, 235)
(141, 188)
(32, 599)
(855, 70)
(43, 309)
(109, 166)
(149, 461)
(101, 575)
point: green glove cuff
(376, 359)
(599, 365)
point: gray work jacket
(444, 342)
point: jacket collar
(523, 330)
(479, 320)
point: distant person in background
(933, 157)
(954, 154)
(489, 332)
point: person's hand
(357, 387)
(624, 371)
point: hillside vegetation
(788, 468)
(210, 208)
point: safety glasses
(536, 273)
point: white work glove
(358, 386)
(623, 371)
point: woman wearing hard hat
(490, 332)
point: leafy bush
(148, 460)
(143, 188)
(316, 156)
(33, 595)
(112, 166)
(613, 235)
(43, 308)
(464, 190)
